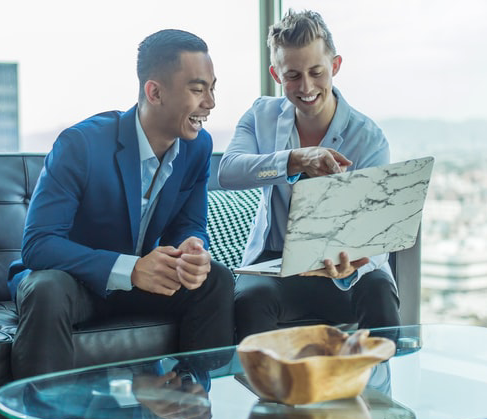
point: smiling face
(188, 96)
(177, 105)
(306, 77)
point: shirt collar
(340, 120)
(145, 149)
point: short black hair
(159, 54)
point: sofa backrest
(18, 176)
(230, 214)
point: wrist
(293, 168)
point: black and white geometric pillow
(230, 216)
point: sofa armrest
(406, 266)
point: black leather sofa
(230, 214)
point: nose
(306, 84)
(209, 101)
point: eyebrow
(201, 81)
(311, 68)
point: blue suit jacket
(85, 209)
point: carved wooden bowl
(311, 364)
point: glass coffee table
(438, 372)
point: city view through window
(417, 67)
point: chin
(191, 135)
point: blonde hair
(299, 30)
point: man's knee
(376, 300)
(254, 293)
(220, 281)
(44, 286)
(376, 283)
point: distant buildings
(9, 107)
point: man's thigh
(60, 292)
(219, 285)
(297, 298)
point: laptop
(364, 212)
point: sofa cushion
(230, 216)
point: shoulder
(92, 137)
(366, 124)
(269, 103)
(266, 110)
(100, 122)
(96, 129)
(355, 121)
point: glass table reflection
(438, 371)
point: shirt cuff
(346, 283)
(121, 273)
(293, 179)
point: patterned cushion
(230, 215)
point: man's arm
(316, 161)
(263, 159)
(250, 163)
(52, 211)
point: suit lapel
(168, 196)
(285, 124)
(128, 161)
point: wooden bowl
(310, 364)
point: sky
(401, 58)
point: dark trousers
(50, 302)
(264, 303)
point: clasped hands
(166, 269)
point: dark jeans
(263, 303)
(50, 302)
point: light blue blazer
(257, 157)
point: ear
(274, 75)
(337, 62)
(153, 92)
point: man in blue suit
(117, 222)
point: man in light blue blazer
(311, 131)
(117, 221)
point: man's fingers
(192, 281)
(319, 272)
(360, 262)
(340, 158)
(192, 245)
(169, 250)
(156, 272)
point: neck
(312, 129)
(158, 141)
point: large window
(78, 58)
(418, 68)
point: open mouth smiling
(308, 99)
(197, 121)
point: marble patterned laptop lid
(364, 212)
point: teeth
(308, 98)
(198, 118)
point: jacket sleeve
(251, 159)
(52, 211)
